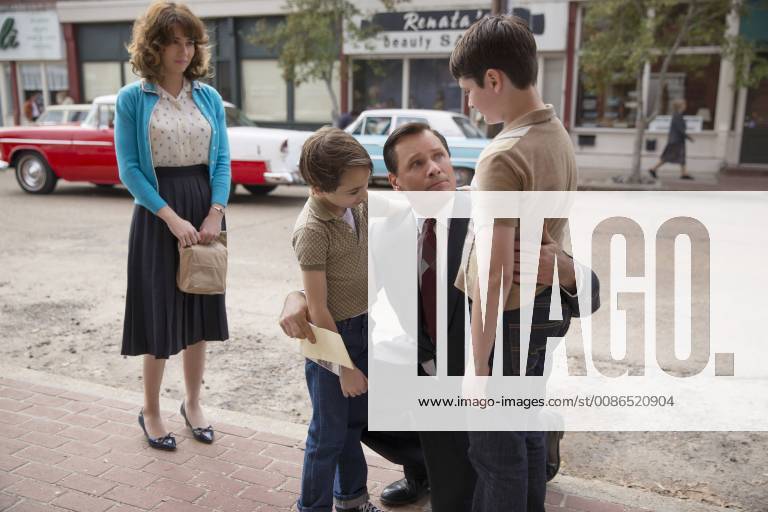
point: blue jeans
(335, 471)
(511, 466)
(511, 471)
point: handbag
(203, 268)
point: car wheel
(34, 174)
(463, 176)
(260, 190)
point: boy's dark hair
(496, 42)
(406, 130)
(325, 156)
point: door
(95, 147)
(754, 140)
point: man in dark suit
(418, 159)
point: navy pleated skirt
(160, 319)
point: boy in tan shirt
(495, 64)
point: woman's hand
(353, 382)
(185, 232)
(211, 227)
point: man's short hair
(406, 130)
(325, 156)
(497, 42)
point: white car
(278, 149)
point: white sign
(548, 21)
(402, 43)
(30, 35)
(437, 32)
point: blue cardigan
(135, 103)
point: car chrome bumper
(4, 165)
(283, 178)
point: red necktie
(429, 279)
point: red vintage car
(262, 158)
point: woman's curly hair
(154, 30)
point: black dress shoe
(202, 434)
(167, 442)
(404, 492)
(553, 453)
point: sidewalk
(601, 179)
(76, 446)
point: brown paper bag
(203, 268)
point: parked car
(465, 140)
(262, 158)
(74, 113)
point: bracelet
(218, 209)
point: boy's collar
(540, 115)
(320, 210)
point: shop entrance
(754, 141)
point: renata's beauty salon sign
(436, 32)
(30, 35)
(416, 31)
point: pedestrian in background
(674, 151)
(173, 156)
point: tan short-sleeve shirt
(535, 153)
(323, 241)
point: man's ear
(393, 181)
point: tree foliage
(309, 40)
(622, 36)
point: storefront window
(432, 86)
(101, 78)
(313, 102)
(264, 91)
(128, 74)
(552, 86)
(377, 84)
(615, 106)
(693, 78)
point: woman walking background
(173, 156)
(674, 151)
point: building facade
(76, 49)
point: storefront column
(5, 101)
(540, 76)
(20, 97)
(406, 82)
(15, 94)
(44, 84)
(726, 93)
(73, 66)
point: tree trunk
(334, 99)
(635, 176)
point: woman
(674, 151)
(173, 156)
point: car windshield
(235, 117)
(470, 131)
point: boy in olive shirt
(495, 64)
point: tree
(309, 39)
(622, 37)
